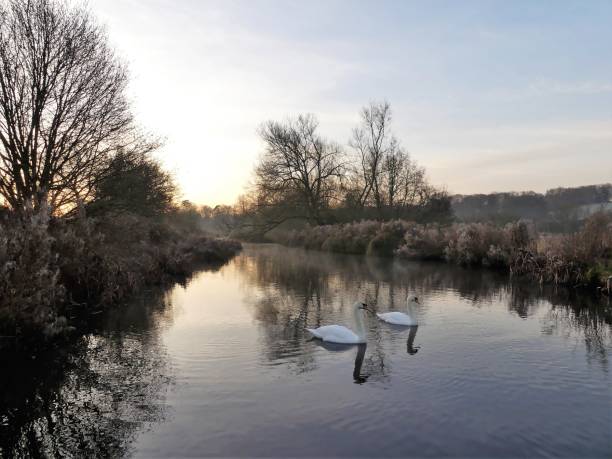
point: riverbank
(54, 270)
(583, 258)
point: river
(222, 366)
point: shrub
(387, 239)
(316, 236)
(469, 243)
(423, 243)
(350, 237)
(580, 258)
(46, 265)
(29, 276)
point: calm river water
(222, 367)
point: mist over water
(223, 367)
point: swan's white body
(397, 318)
(401, 318)
(336, 334)
(341, 334)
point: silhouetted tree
(373, 142)
(299, 170)
(384, 176)
(187, 216)
(133, 183)
(63, 108)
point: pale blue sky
(487, 95)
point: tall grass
(581, 258)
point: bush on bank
(51, 266)
(581, 258)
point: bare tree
(299, 169)
(63, 109)
(372, 141)
(403, 181)
(384, 175)
(393, 174)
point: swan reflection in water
(358, 377)
(410, 343)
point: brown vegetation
(51, 269)
(581, 258)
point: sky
(486, 95)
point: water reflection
(298, 289)
(410, 341)
(90, 397)
(359, 378)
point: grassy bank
(52, 269)
(583, 258)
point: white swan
(400, 318)
(339, 333)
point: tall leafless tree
(299, 169)
(403, 181)
(372, 141)
(63, 109)
(385, 176)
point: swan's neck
(361, 330)
(411, 311)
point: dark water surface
(223, 367)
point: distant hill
(559, 209)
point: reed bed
(583, 258)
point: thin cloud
(550, 86)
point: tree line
(557, 210)
(303, 177)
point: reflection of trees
(581, 317)
(297, 288)
(570, 313)
(581, 324)
(376, 365)
(91, 397)
(284, 318)
(523, 298)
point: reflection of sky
(500, 371)
(488, 95)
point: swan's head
(413, 299)
(359, 305)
